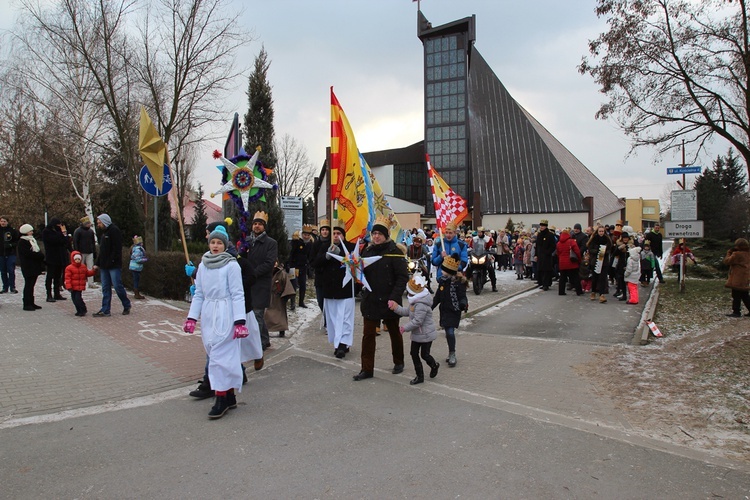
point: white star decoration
(355, 265)
(242, 179)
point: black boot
(50, 298)
(420, 375)
(340, 351)
(220, 408)
(203, 391)
(434, 370)
(231, 399)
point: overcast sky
(369, 52)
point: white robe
(340, 321)
(219, 301)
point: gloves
(192, 290)
(189, 326)
(240, 332)
(189, 269)
(401, 329)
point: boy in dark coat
(451, 297)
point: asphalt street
(98, 408)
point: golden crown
(451, 263)
(261, 215)
(324, 223)
(417, 283)
(307, 228)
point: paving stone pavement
(54, 361)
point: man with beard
(546, 244)
(387, 278)
(261, 253)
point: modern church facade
(486, 146)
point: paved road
(513, 419)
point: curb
(498, 301)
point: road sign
(684, 170)
(684, 229)
(148, 184)
(684, 204)
(291, 202)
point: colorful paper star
(355, 265)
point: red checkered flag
(449, 206)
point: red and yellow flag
(449, 206)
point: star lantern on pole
(354, 265)
(247, 178)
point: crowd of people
(242, 290)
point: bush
(163, 276)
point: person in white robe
(219, 303)
(338, 299)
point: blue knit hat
(105, 219)
(220, 234)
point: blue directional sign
(148, 184)
(684, 170)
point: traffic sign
(291, 202)
(684, 229)
(684, 204)
(684, 170)
(148, 184)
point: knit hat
(577, 226)
(105, 219)
(416, 284)
(624, 235)
(212, 226)
(77, 256)
(450, 264)
(220, 234)
(25, 229)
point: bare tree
(294, 171)
(188, 65)
(674, 70)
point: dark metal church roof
(518, 165)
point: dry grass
(692, 387)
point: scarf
(32, 241)
(252, 238)
(215, 261)
(416, 297)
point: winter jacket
(76, 274)
(55, 244)
(387, 278)
(656, 242)
(421, 325)
(454, 246)
(621, 253)
(564, 246)
(262, 258)
(299, 257)
(9, 238)
(451, 297)
(110, 248)
(332, 276)
(739, 270)
(31, 262)
(545, 247)
(319, 246)
(633, 265)
(648, 261)
(599, 248)
(518, 254)
(137, 257)
(84, 239)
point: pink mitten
(189, 326)
(240, 332)
(401, 329)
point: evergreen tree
(731, 174)
(259, 131)
(308, 211)
(200, 218)
(509, 226)
(168, 226)
(722, 190)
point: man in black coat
(321, 243)
(9, 240)
(387, 278)
(55, 239)
(657, 246)
(299, 259)
(110, 266)
(262, 253)
(546, 244)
